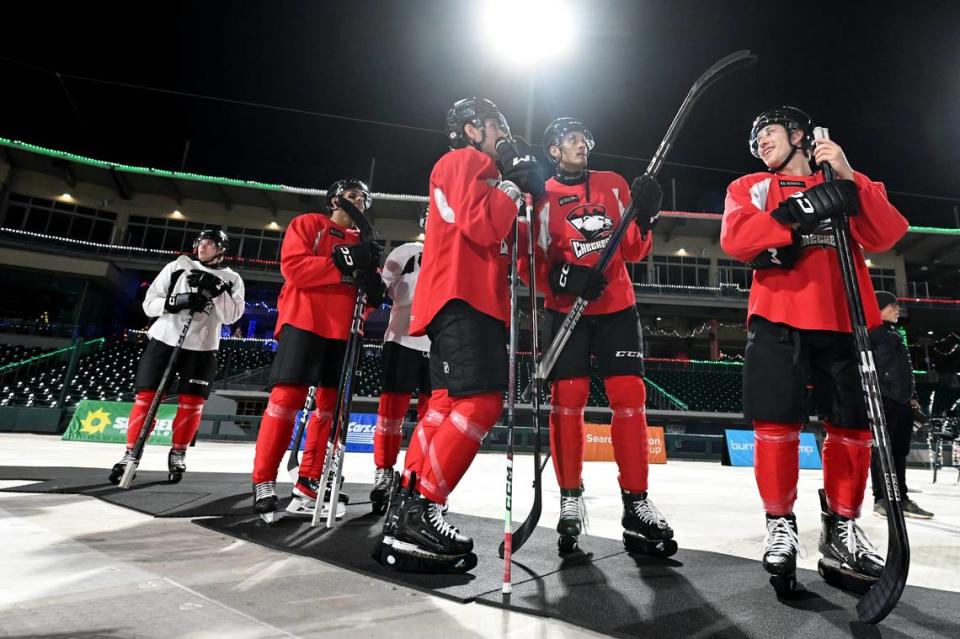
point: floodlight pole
(528, 123)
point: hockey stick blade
(733, 62)
(367, 232)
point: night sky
(885, 81)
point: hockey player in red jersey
(214, 293)
(798, 326)
(406, 367)
(574, 221)
(323, 261)
(461, 303)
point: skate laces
(128, 457)
(380, 476)
(266, 489)
(781, 538)
(645, 510)
(857, 541)
(177, 456)
(435, 516)
(574, 508)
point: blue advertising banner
(359, 435)
(740, 449)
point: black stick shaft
(884, 594)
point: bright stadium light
(524, 32)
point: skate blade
(272, 517)
(405, 557)
(840, 576)
(786, 586)
(662, 548)
(303, 509)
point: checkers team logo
(593, 223)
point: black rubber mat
(692, 594)
(197, 494)
(706, 594)
(351, 542)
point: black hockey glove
(645, 197)
(581, 281)
(208, 283)
(818, 203)
(374, 288)
(193, 302)
(518, 165)
(779, 257)
(357, 257)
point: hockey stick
(732, 62)
(126, 480)
(293, 460)
(507, 545)
(884, 594)
(337, 443)
(530, 523)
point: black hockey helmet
(220, 239)
(340, 187)
(216, 236)
(473, 111)
(792, 119)
(557, 129)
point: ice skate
(303, 500)
(780, 548)
(383, 481)
(265, 502)
(573, 520)
(417, 539)
(176, 465)
(850, 561)
(117, 471)
(644, 529)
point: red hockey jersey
(313, 296)
(572, 227)
(465, 254)
(809, 295)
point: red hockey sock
(141, 404)
(456, 443)
(846, 464)
(568, 397)
(424, 432)
(187, 420)
(388, 435)
(776, 464)
(628, 429)
(318, 433)
(276, 428)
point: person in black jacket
(895, 371)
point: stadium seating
(12, 353)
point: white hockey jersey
(204, 333)
(401, 287)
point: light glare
(524, 32)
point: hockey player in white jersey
(213, 293)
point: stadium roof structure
(930, 245)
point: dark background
(884, 80)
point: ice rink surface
(75, 566)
